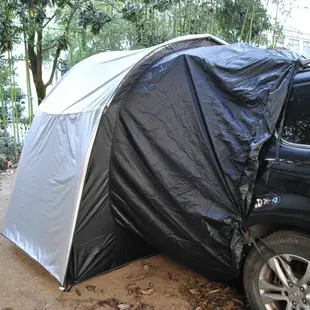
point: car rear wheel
(283, 283)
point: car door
(290, 172)
(282, 190)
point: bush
(7, 151)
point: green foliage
(8, 27)
(12, 106)
(283, 11)
(30, 20)
(242, 20)
(7, 150)
(142, 23)
(90, 16)
(69, 30)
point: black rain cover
(185, 149)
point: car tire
(282, 242)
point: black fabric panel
(99, 243)
(185, 151)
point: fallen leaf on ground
(194, 291)
(124, 306)
(170, 275)
(146, 268)
(238, 301)
(110, 302)
(214, 291)
(147, 292)
(91, 288)
(78, 292)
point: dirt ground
(155, 283)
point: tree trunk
(36, 61)
(41, 91)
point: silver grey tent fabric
(43, 210)
(42, 213)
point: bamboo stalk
(287, 15)
(70, 56)
(243, 25)
(180, 18)
(13, 105)
(195, 22)
(189, 19)
(274, 30)
(16, 112)
(29, 91)
(251, 23)
(174, 21)
(212, 17)
(185, 19)
(260, 37)
(3, 110)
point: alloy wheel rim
(284, 283)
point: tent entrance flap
(99, 244)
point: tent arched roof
(92, 82)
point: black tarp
(185, 147)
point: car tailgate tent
(59, 211)
(151, 148)
(185, 150)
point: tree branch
(57, 54)
(39, 49)
(49, 20)
(70, 18)
(53, 16)
(114, 6)
(49, 48)
(59, 49)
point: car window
(297, 117)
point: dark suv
(277, 271)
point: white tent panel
(41, 215)
(44, 205)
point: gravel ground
(155, 283)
